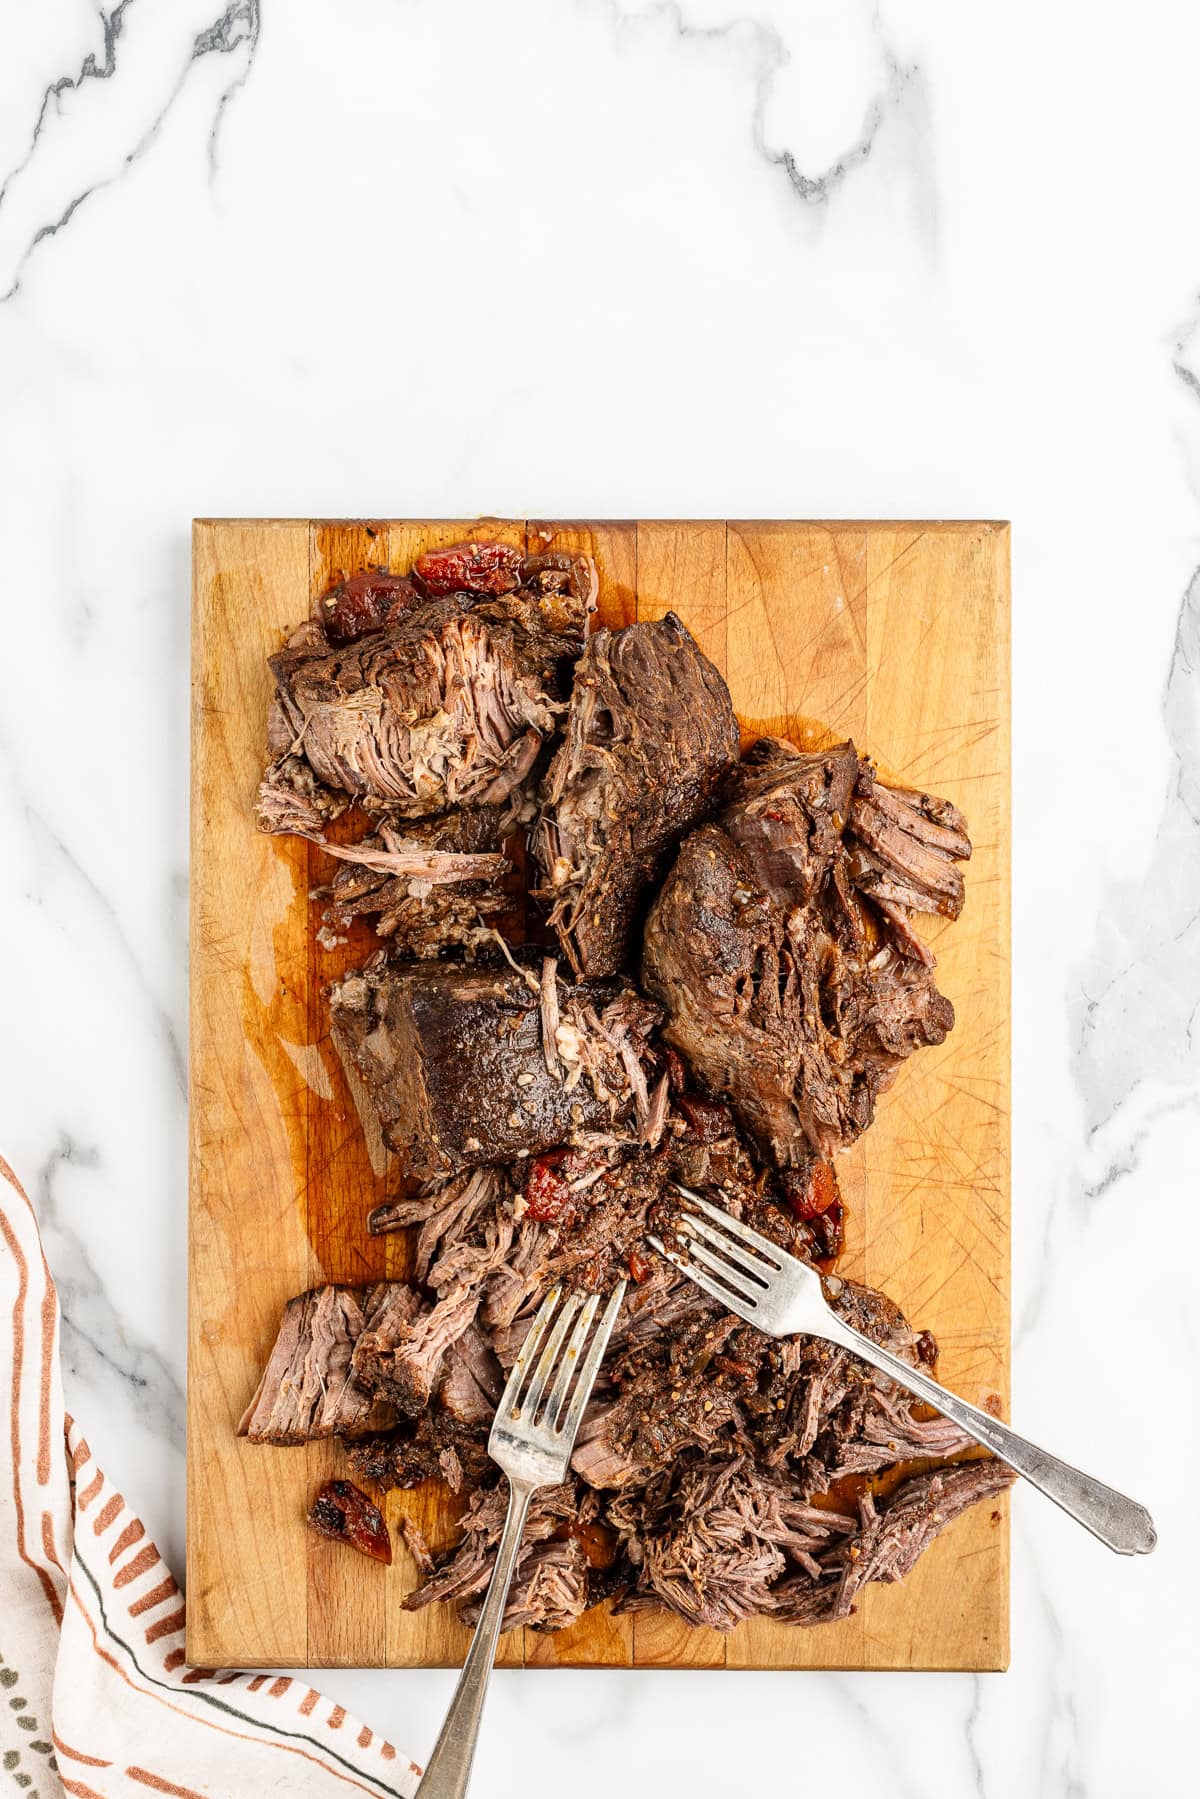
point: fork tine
(549, 1357)
(740, 1259)
(695, 1273)
(770, 1252)
(570, 1363)
(591, 1364)
(508, 1401)
(737, 1284)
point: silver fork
(532, 1438)
(781, 1295)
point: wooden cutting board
(893, 634)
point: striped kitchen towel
(96, 1698)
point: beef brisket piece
(778, 1009)
(472, 1380)
(410, 695)
(400, 1358)
(549, 1590)
(898, 1533)
(826, 817)
(467, 1240)
(442, 1208)
(438, 710)
(788, 811)
(307, 1388)
(890, 1537)
(649, 733)
(457, 1069)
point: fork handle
(1118, 1521)
(448, 1772)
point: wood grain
(895, 634)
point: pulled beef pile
(735, 978)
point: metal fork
(780, 1296)
(532, 1438)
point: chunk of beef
(787, 812)
(465, 1242)
(415, 1543)
(885, 1432)
(772, 1008)
(472, 1380)
(649, 734)
(667, 1401)
(441, 709)
(549, 1590)
(896, 1534)
(292, 802)
(400, 1358)
(308, 1389)
(455, 1065)
(826, 820)
(443, 1208)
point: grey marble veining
(234, 33)
(1137, 1047)
(95, 1339)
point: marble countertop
(620, 258)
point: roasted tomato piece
(812, 1190)
(340, 1510)
(598, 1542)
(546, 1192)
(470, 568)
(708, 1119)
(640, 1268)
(366, 602)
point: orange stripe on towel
(131, 1534)
(146, 1779)
(108, 1511)
(165, 1626)
(166, 1589)
(77, 1755)
(90, 1491)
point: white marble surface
(807, 259)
